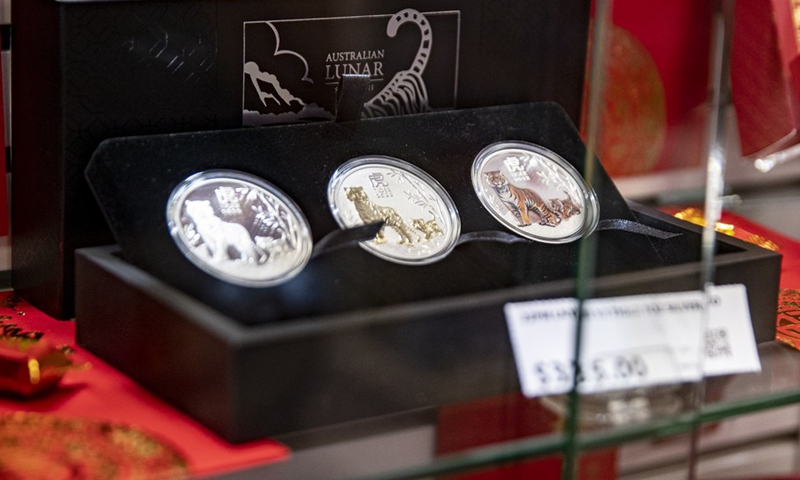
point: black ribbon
(353, 90)
(635, 227)
(491, 236)
(351, 237)
(611, 224)
(348, 237)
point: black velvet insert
(132, 179)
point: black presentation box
(354, 336)
(88, 70)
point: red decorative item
(789, 318)
(29, 367)
(654, 112)
(634, 118)
(765, 75)
(43, 446)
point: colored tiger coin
(534, 192)
(239, 228)
(420, 220)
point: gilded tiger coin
(534, 192)
(420, 220)
(239, 228)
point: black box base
(249, 382)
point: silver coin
(534, 192)
(239, 228)
(421, 222)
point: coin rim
(335, 183)
(590, 219)
(184, 188)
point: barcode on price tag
(632, 341)
(730, 342)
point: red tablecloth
(102, 393)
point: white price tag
(628, 342)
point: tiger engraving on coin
(222, 240)
(534, 192)
(372, 213)
(429, 228)
(420, 221)
(238, 228)
(521, 201)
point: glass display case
(558, 245)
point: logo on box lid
(410, 57)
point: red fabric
(789, 247)
(103, 393)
